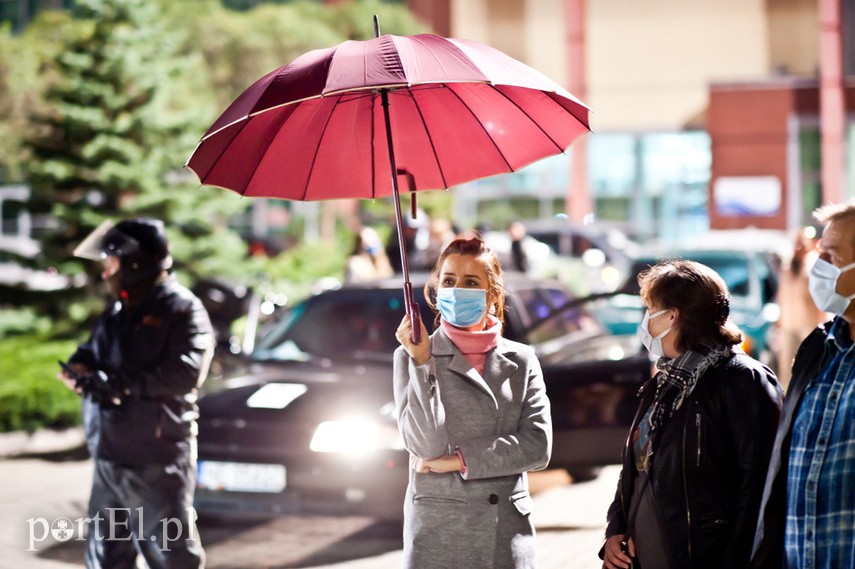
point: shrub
(30, 396)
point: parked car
(589, 257)
(310, 424)
(750, 275)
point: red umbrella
(344, 122)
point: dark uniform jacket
(708, 470)
(158, 350)
(769, 537)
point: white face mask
(822, 282)
(652, 343)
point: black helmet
(141, 246)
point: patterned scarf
(675, 382)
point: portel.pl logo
(116, 527)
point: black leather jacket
(769, 536)
(707, 474)
(158, 350)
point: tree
(114, 129)
(129, 88)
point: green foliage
(239, 48)
(94, 140)
(99, 110)
(355, 19)
(21, 80)
(299, 269)
(114, 96)
(30, 395)
(436, 204)
(124, 104)
(22, 321)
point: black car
(310, 424)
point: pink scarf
(475, 345)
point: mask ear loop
(656, 315)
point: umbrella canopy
(457, 110)
(344, 122)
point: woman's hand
(419, 352)
(419, 464)
(440, 465)
(614, 557)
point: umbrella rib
(264, 155)
(317, 150)
(478, 120)
(222, 152)
(368, 89)
(373, 161)
(430, 139)
(534, 122)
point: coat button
(494, 499)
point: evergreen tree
(117, 122)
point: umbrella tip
(376, 26)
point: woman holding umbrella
(695, 459)
(474, 415)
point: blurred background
(717, 129)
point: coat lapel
(497, 366)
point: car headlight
(355, 436)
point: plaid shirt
(820, 527)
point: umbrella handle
(411, 187)
(412, 308)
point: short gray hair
(844, 211)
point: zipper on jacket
(626, 449)
(698, 427)
(686, 495)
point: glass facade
(656, 181)
(810, 172)
(655, 184)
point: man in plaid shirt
(808, 511)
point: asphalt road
(37, 493)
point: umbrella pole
(409, 302)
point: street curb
(19, 443)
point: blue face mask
(462, 307)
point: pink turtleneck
(475, 345)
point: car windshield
(549, 314)
(359, 324)
(734, 269)
(341, 326)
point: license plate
(241, 477)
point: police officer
(140, 370)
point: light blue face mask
(462, 307)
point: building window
(656, 181)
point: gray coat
(501, 424)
